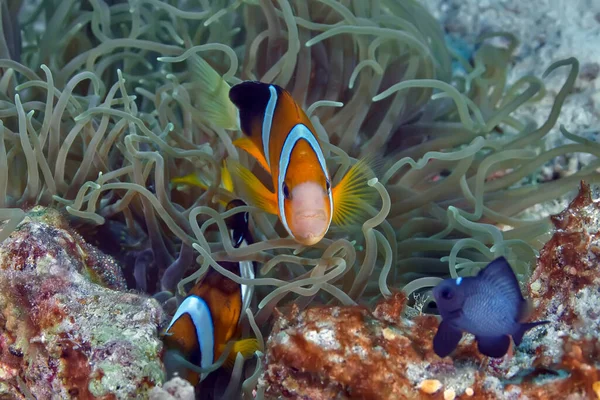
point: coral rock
(340, 352)
(350, 352)
(62, 334)
(174, 389)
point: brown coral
(569, 260)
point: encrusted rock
(62, 334)
(343, 353)
(173, 389)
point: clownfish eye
(327, 186)
(286, 191)
(447, 294)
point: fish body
(281, 137)
(208, 318)
(489, 305)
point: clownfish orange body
(281, 137)
(208, 318)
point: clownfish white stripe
(268, 122)
(246, 272)
(198, 311)
(298, 133)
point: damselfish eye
(447, 294)
(327, 186)
(286, 191)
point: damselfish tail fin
(213, 98)
(524, 327)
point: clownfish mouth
(310, 226)
(309, 218)
(311, 214)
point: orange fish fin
(352, 193)
(190, 179)
(248, 145)
(253, 189)
(246, 347)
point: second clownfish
(208, 318)
(281, 137)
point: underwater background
(480, 119)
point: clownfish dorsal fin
(246, 144)
(352, 192)
(213, 98)
(253, 189)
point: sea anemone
(100, 108)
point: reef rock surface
(66, 328)
(352, 352)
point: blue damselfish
(489, 305)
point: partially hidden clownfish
(208, 318)
(281, 137)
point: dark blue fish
(489, 305)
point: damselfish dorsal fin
(500, 276)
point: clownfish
(208, 318)
(282, 139)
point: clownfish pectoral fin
(190, 179)
(252, 188)
(246, 347)
(352, 193)
(213, 97)
(248, 145)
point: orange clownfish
(208, 318)
(281, 137)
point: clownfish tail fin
(213, 98)
(246, 347)
(352, 193)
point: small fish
(489, 305)
(281, 137)
(208, 318)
